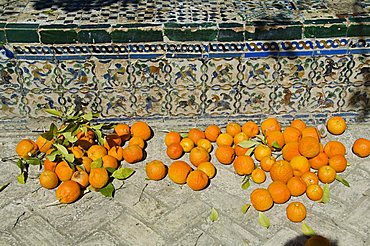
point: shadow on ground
(301, 240)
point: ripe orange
(292, 134)
(270, 124)
(68, 192)
(311, 131)
(49, 165)
(239, 137)
(155, 170)
(77, 151)
(290, 150)
(298, 124)
(281, 170)
(98, 177)
(250, 129)
(132, 154)
(48, 179)
(26, 148)
(89, 134)
(81, 177)
(123, 130)
(261, 199)
(137, 141)
(96, 151)
(197, 180)
(187, 144)
(275, 138)
(43, 144)
(361, 147)
(296, 186)
(267, 162)
(233, 128)
(112, 140)
(86, 162)
(258, 176)
(174, 151)
(300, 165)
(332, 148)
(338, 162)
(318, 161)
(279, 192)
(172, 137)
(243, 165)
(116, 152)
(296, 211)
(63, 171)
(110, 162)
(141, 129)
(208, 168)
(336, 125)
(212, 132)
(326, 174)
(224, 139)
(261, 151)
(225, 154)
(198, 155)
(314, 192)
(309, 147)
(240, 150)
(310, 178)
(178, 171)
(205, 144)
(195, 134)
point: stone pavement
(169, 214)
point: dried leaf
(307, 230)
(342, 180)
(247, 143)
(263, 220)
(214, 215)
(123, 173)
(326, 195)
(245, 208)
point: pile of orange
(85, 157)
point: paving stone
(196, 237)
(100, 237)
(7, 239)
(11, 214)
(359, 215)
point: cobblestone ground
(162, 213)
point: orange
(298, 124)
(338, 162)
(233, 128)
(261, 199)
(96, 151)
(172, 137)
(270, 124)
(50, 165)
(336, 125)
(48, 179)
(261, 151)
(243, 165)
(267, 162)
(290, 150)
(123, 130)
(112, 140)
(309, 147)
(240, 150)
(116, 152)
(310, 178)
(239, 137)
(132, 154)
(300, 165)
(68, 192)
(296, 186)
(198, 155)
(205, 144)
(361, 147)
(26, 148)
(212, 132)
(314, 192)
(89, 134)
(296, 212)
(250, 129)
(318, 161)
(155, 170)
(195, 134)
(275, 138)
(187, 144)
(98, 177)
(141, 129)
(178, 171)
(86, 162)
(197, 180)
(281, 170)
(292, 134)
(81, 177)
(137, 141)
(77, 151)
(43, 144)
(208, 168)
(174, 151)
(225, 139)
(258, 176)
(311, 131)
(225, 154)
(63, 171)
(279, 192)
(326, 174)
(332, 148)
(110, 162)
(317, 240)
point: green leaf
(276, 145)
(63, 150)
(4, 186)
(69, 128)
(98, 127)
(20, 164)
(98, 163)
(214, 215)
(99, 136)
(246, 184)
(52, 156)
(71, 110)
(69, 158)
(22, 178)
(88, 116)
(342, 180)
(49, 135)
(123, 173)
(33, 161)
(247, 143)
(263, 220)
(326, 195)
(107, 190)
(184, 135)
(110, 169)
(307, 230)
(70, 137)
(250, 151)
(245, 208)
(83, 129)
(54, 112)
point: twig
(36, 189)
(141, 194)
(196, 242)
(19, 217)
(55, 203)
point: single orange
(43, 144)
(309, 147)
(187, 144)
(311, 131)
(310, 178)
(240, 150)
(212, 132)
(292, 134)
(338, 162)
(258, 176)
(296, 212)
(81, 177)
(195, 134)
(225, 139)
(205, 144)
(63, 171)
(300, 165)
(243, 165)
(279, 192)
(96, 151)
(174, 151)
(336, 125)
(326, 174)
(281, 170)
(267, 162)
(225, 154)
(296, 186)
(197, 180)
(318, 161)
(275, 139)
(178, 171)
(110, 162)
(26, 148)
(137, 141)
(270, 124)
(261, 151)
(132, 154)
(250, 129)
(86, 162)
(49, 165)
(290, 150)
(233, 128)
(198, 155)
(314, 192)
(48, 179)
(239, 137)
(98, 177)
(68, 192)
(155, 170)
(123, 130)
(333, 147)
(77, 151)
(361, 147)
(172, 137)
(298, 124)
(141, 129)
(261, 199)
(208, 168)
